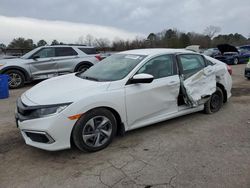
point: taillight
(229, 69)
(98, 57)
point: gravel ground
(196, 150)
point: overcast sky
(67, 20)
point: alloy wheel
(97, 131)
(15, 80)
(236, 61)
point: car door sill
(182, 110)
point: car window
(45, 53)
(65, 51)
(88, 51)
(245, 48)
(159, 67)
(191, 64)
(209, 62)
(30, 53)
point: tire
(95, 130)
(83, 68)
(236, 61)
(215, 102)
(17, 79)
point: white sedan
(125, 91)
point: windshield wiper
(89, 78)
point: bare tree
(102, 42)
(80, 40)
(211, 31)
(89, 40)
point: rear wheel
(82, 68)
(215, 102)
(95, 130)
(16, 79)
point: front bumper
(50, 133)
(247, 72)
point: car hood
(63, 89)
(227, 48)
(12, 61)
(7, 57)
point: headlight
(47, 111)
(1, 64)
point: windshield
(30, 53)
(113, 68)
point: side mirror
(142, 78)
(35, 57)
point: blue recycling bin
(4, 86)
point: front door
(147, 103)
(42, 64)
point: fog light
(37, 136)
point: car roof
(76, 46)
(155, 51)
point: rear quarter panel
(222, 75)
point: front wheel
(95, 130)
(16, 79)
(236, 61)
(215, 102)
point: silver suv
(48, 61)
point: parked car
(212, 52)
(194, 48)
(245, 47)
(247, 70)
(126, 91)
(231, 55)
(46, 62)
